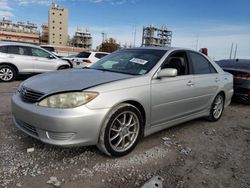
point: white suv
(85, 59)
(19, 58)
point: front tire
(63, 67)
(216, 108)
(7, 73)
(121, 131)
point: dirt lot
(194, 154)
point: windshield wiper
(115, 71)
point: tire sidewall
(106, 143)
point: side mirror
(167, 73)
(51, 57)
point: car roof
(94, 52)
(4, 43)
(161, 48)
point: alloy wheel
(218, 106)
(124, 131)
(6, 74)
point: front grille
(30, 95)
(29, 128)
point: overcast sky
(214, 24)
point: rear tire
(121, 131)
(7, 73)
(216, 108)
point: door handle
(190, 83)
(217, 79)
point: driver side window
(177, 60)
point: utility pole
(197, 42)
(104, 37)
(231, 51)
(134, 35)
(235, 52)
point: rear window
(100, 55)
(83, 54)
(200, 64)
(3, 49)
(19, 50)
(13, 50)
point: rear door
(21, 57)
(173, 97)
(43, 61)
(206, 80)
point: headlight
(68, 100)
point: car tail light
(86, 61)
(243, 76)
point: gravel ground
(193, 154)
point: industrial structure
(19, 32)
(44, 38)
(153, 36)
(82, 39)
(58, 25)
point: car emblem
(24, 91)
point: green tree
(110, 45)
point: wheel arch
(223, 93)
(135, 103)
(140, 108)
(113, 109)
(10, 64)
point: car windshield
(130, 61)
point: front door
(42, 61)
(173, 97)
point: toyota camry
(123, 97)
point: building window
(60, 22)
(60, 28)
(60, 42)
(53, 27)
(60, 14)
(53, 21)
(53, 13)
(53, 42)
(53, 34)
(60, 35)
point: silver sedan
(126, 95)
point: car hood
(71, 80)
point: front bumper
(62, 127)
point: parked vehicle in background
(51, 49)
(48, 48)
(240, 68)
(19, 58)
(128, 94)
(85, 59)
